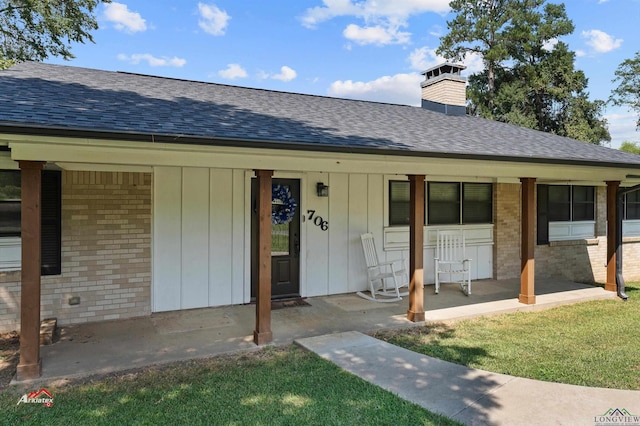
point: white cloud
(600, 41)
(397, 89)
(622, 126)
(232, 72)
(376, 35)
(580, 53)
(474, 63)
(549, 45)
(286, 74)
(437, 31)
(424, 58)
(123, 18)
(152, 61)
(382, 18)
(371, 10)
(400, 88)
(213, 20)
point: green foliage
(286, 386)
(478, 27)
(37, 29)
(10, 185)
(529, 78)
(632, 147)
(568, 344)
(628, 90)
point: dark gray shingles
(36, 94)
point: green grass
(591, 344)
(275, 386)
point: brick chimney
(444, 89)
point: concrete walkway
(473, 397)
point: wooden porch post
(416, 249)
(527, 261)
(262, 334)
(612, 202)
(29, 366)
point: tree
(628, 90)
(37, 29)
(631, 147)
(534, 84)
(478, 28)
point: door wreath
(283, 205)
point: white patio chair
(451, 260)
(379, 272)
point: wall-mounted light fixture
(322, 190)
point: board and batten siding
(202, 226)
(198, 238)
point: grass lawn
(592, 343)
(274, 386)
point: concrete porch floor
(105, 347)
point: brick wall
(106, 253)
(579, 260)
(506, 248)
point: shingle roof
(69, 98)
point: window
(453, 203)
(583, 203)
(443, 203)
(10, 212)
(632, 206)
(477, 203)
(565, 204)
(448, 203)
(9, 203)
(398, 202)
(571, 203)
(559, 203)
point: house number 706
(318, 220)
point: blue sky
(360, 49)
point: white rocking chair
(378, 272)
(451, 261)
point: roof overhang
(84, 150)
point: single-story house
(145, 194)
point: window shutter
(543, 214)
(51, 216)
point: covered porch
(506, 295)
(109, 346)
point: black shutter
(543, 214)
(51, 213)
